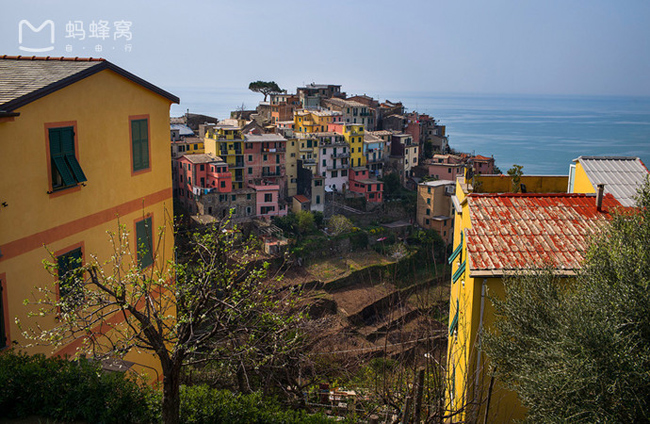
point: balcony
(340, 155)
(271, 174)
(238, 164)
(309, 162)
(274, 150)
(338, 167)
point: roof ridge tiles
(567, 195)
(59, 58)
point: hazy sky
(452, 46)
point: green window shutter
(3, 334)
(70, 280)
(456, 251)
(74, 166)
(140, 144)
(144, 239)
(459, 272)
(63, 169)
(62, 153)
(454, 321)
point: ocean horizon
(544, 133)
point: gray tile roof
(622, 175)
(204, 158)
(24, 79)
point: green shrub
(359, 240)
(203, 405)
(60, 389)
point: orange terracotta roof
(301, 198)
(531, 231)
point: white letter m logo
(25, 22)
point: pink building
(360, 183)
(198, 174)
(264, 158)
(267, 200)
(445, 171)
(483, 164)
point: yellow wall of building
(464, 362)
(581, 183)
(353, 134)
(100, 106)
(533, 183)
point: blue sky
(584, 47)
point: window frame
(150, 260)
(60, 254)
(65, 189)
(134, 118)
(5, 323)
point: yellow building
(353, 134)
(620, 175)
(309, 121)
(433, 210)
(496, 234)
(227, 141)
(90, 142)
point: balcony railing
(340, 155)
(236, 165)
(338, 167)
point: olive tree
(578, 349)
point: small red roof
(531, 231)
(301, 198)
(479, 157)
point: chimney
(599, 197)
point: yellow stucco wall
(533, 183)
(581, 183)
(100, 106)
(468, 371)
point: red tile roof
(531, 231)
(301, 198)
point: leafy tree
(264, 87)
(428, 149)
(339, 224)
(392, 184)
(305, 222)
(213, 304)
(515, 173)
(578, 350)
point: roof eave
(500, 273)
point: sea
(543, 133)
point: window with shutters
(70, 279)
(65, 169)
(144, 242)
(4, 315)
(140, 144)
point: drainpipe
(599, 197)
(478, 338)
